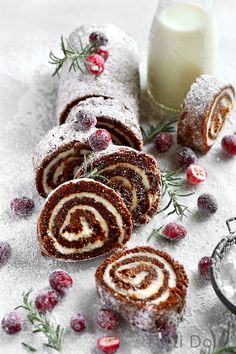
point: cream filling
(63, 156)
(143, 176)
(142, 294)
(90, 246)
(115, 138)
(86, 231)
(224, 103)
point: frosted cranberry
(99, 38)
(228, 143)
(204, 266)
(168, 335)
(207, 203)
(22, 206)
(196, 174)
(185, 156)
(12, 323)
(99, 140)
(109, 345)
(174, 231)
(108, 319)
(95, 64)
(60, 281)
(163, 141)
(85, 120)
(103, 52)
(78, 323)
(5, 252)
(47, 300)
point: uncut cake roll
(114, 95)
(145, 285)
(58, 156)
(83, 219)
(204, 112)
(133, 174)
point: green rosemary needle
(29, 347)
(76, 58)
(42, 325)
(221, 345)
(171, 183)
(162, 126)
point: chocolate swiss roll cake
(146, 286)
(58, 155)
(83, 219)
(133, 174)
(114, 95)
(204, 112)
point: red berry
(103, 52)
(22, 206)
(163, 141)
(47, 300)
(174, 231)
(97, 37)
(168, 335)
(99, 140)
(60, 281)
(204, 266)
(85, 120)
(5, 252)
(228, 143)
(207, 203)
(109, 345)
(185, 156)
(196, 174)
(95, 64)
(12, 323)
(78, 323)
(108, 319)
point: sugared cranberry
(95, 64)
(47, 300)
(207, 203)
(5, 252)
(109, 345)
(108, 319)
(98, 38)
(168, 336)
(228, 143)
(185, 156)
(99, 140)
(60, 281)
(196, 174)
(204, 266)
(78, 323)
(12, 323)
(103, 52)
(22, 206)
(163, 141)
(174, 231)
(85, 120)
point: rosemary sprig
(162, 126)
(171, 183)
(222, 345)
(76, 58)
(156, 232)
(29, 347)
(90, 172)
(42, 324)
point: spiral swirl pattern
(144, 285)
(83, 219)
(133, 175)
(204, 112)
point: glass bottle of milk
(183, 45)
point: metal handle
(228, 225)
